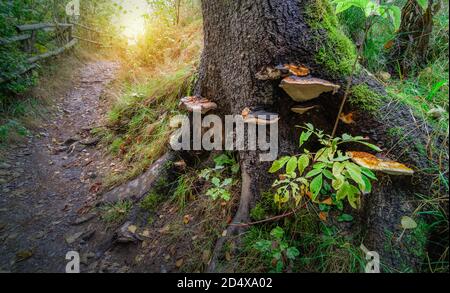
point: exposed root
(242, 216)
(137, 188)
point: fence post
(29, 44)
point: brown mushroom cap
(259, 117)
(195, 103)
(302, 89)
(302, 110)
(371, 162)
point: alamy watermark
(73, 266)
(211, 133)
(373, 260)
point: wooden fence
(64, 36)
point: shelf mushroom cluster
(196, 103)
(373, 163)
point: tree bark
(241, 38)
(411, 45)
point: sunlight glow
(132, 23)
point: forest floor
(49, 182)
(51, 188)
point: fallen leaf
(164, 230)
(179, 263)
(323, 216)
(186, 219)
(23, 255)
(227, 256)
(146, 233)
(408, 223)
(72, 238)
(95, 188)
(389, 44)
(132, 228)
(347, 118)
(224, 233)
(229, 219)
(328, 201)
(205, 256)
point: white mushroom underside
(303, 93)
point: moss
(258, 213)
(338, 53)
(116, 213)
(396, 132)
(150, 202)
(365, 98)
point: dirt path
(46, 184)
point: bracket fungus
(302, 110)
(281, 71)
(302, 89)
(373, 163)
(196, 103)
(259, 116)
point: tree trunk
(413, 37)
(241, 38)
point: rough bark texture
(241, 37)
(413, 37)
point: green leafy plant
(224, 163)
(371, 10)
(277, 250)
(327, 176)
(115, 213)
(220, 189)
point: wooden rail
(64, 33)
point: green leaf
(316, 186)
(355, 173)
(337, 169)
(303, 163)
(367, 185)
(408, 223)
(291, 165)
(337, 183)
(263, 245)
(304, 137)
(278, 164)
(372, 146)
(215, 181)
(227, 181)
(436, 87)
(396, 15)
(292, 253)
(223, 160)
(345, 218)
(368, 173)
(423, 4)
(342, 192)
(277, 232)
(313, 173)
(353, 196)
(328, 174)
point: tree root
(137, 188)
(241, 216)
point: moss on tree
(337, 52)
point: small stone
(72, 238)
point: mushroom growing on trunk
(259, 116)
(373, 163)
(302, 89)
(196, 103)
